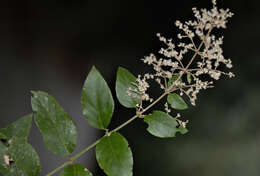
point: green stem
(153, 103)
(74, 157)
(85, 150)
(97, 141)
(58, 168)
(124, 124)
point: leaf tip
(120, 68)
(33, 92)
(94, 68)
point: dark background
(51, 45)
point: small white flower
(207, 58)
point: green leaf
(173, 79)
(183, 130)
(2, 136)
(161, 124)
(97, 101)
(56, 126)
(189, 78)
(75, 170)
(176, 102)
(114, 155)
(20, 129)
(19, 159)
(124, 81)
(3, 151)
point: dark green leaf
(176, 102)
(114, 155)
(75, 170)
(97, 101)
(2, 136)
(56, 126)
(189, 78)
(19, 159)
(161, 124)
(3, 151)
(124, 81)
(20, 128)
(173, 79)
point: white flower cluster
(141, 88)
(196, 37)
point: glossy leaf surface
(56, 126)
(176, 101)
(114, 155)
(75, 170)
(124, 81)
(97, 101)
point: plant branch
(124, 124)
(198, 50)
(74, 157)
(97, 141)
(128, 121)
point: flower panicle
(196, 36)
